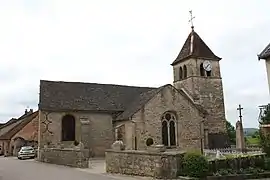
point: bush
(267, 164)
(265, 142)
(195, 165)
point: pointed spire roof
(195, 47)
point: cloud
(128, 42)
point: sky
(129, 42)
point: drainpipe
(201, 133)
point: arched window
(180, 73)
(202, 70)
(68, 128)
(168, 129)
(185, 71)
(165, 133)
(208, 73)
(172, 133)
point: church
(187, 114)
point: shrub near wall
(194, 165)
(197, 166)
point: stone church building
(186, 115)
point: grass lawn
(253, 141)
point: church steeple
(195, 47)
(196, 71)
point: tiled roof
(59, 95)
(197, 49)
(126, 100)
(11, 129)
(137, 104)
(265, 53)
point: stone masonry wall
(94, 130)
(143, 163)
(69, 157)
(207, 91)
(188, 124)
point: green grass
(253, 141)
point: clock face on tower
(207, 65)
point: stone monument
(240, 138)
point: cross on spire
(191, 19)
(240, 112)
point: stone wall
(69, 157)
(94, 130)
(206, 91)
(143, 163)
(148, 122)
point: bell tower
(196, 71)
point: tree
(231, 132)
(265, 119)
(255, 134)
(265, 137)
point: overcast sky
(129, 42)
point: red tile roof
(9, 130)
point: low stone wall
(237, 163)
(67, 156)
(144, 163)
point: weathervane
(191, 19)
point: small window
(149, 142)
(180, 73)
(208, 73)
(185, 71)
(202, 70)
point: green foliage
(253, 140)
(267, 164)
(231, 132)
(255, 134)
(265, 143)
(265, 137)
(248, 164)
(195, 165)
(265, 119)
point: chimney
(31, 111)
(25, 112)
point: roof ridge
(25, 120)
(77, 82)
(139, 106)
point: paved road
(13, 169)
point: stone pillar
(240, 139)
(85, 133)
(206, 143)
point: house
(19, 132)
(265, 54)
